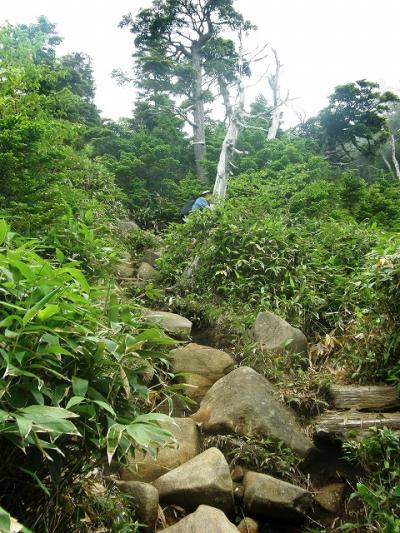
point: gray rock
(275, 335)
(245, 403)
(127, 226)
(248, 525)
(143, 498)
(145, 273)
(205, 520)
(205, 479)
(172, 323)
(125, 270)
(151, 256)
(202, 365)
(268, 497)
(144, 468)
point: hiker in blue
(202, 201)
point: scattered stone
(275, 335)
(202, 365)
(172, 323)
(127, 226)
(126, 257)
(151, 256)
(125, 270)
(270, 497)
(145, 273)
(331, 497)
(205, 479)
(206, 519)
(248, 525)
(144, 499)
(145, 468)
(245, 403)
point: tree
(180, 51)
(354, 121)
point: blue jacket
(200, 203)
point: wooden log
(333, 425)
(372, 398)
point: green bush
(72, 360)
(300, 271)
(379, 493)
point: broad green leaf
(39, 305)
(113, 438)
(59, 427)
(75, 400)
(24, 425)
(60, 256)
(79, 386)
(38, 413)
(106, 406)
(5, 520)
(48, 311)
(153, 417)
(77, 275)
(3, 230)
(4, 415)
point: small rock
(151, 256)
(172, 323)
(144, 468)
(145, 273)
(245, 403)
(202, 365)
(125, 257)
(144, 500)
(205, 479)
(248, 525)
(266, 496)
(206, 519)
(331, 496)
(273, 334)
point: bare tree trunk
(394, 159)
(199, 129)
(228, 146)
(274, 83)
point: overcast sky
(322, 43)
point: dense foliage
(309, 230)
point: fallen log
(334, 425)
(372, 398)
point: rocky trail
(198, 484)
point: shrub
(72, 361)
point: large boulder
(202, 365)
(245, 403)
(205, 479)
(275, 335)
(146, 468)
(205, 520)
(143, 498)
(172, 323)
(145, 273)
(268, 497)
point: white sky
(322, 43)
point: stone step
(369, 397)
